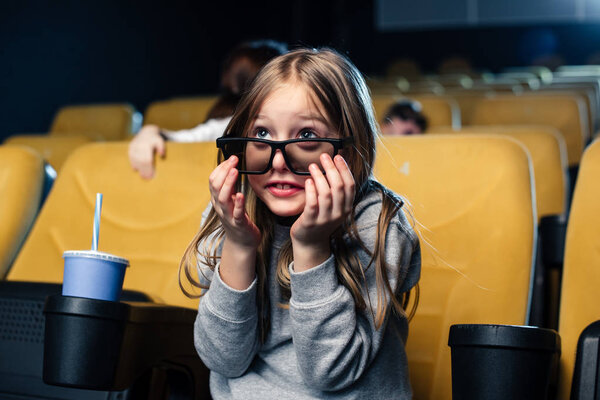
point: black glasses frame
(275, 145)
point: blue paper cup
(93, 274)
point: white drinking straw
(97, 211)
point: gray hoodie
(321, 347)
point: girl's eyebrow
(313, 116)
(307, 117)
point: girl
(307, 260)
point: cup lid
(515, 336)
(96, 254)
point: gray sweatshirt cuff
(314, 285)
(230, 304)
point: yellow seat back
(178, 114)
(565, 112)
(580, 296)
(587, 94)
(549, 158)
(467, 101)
(149, 222)
(96, 121)
(21, 186)
(472, 198)
(439, 110)
(53, 149)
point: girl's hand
(329, 200)
(240, 231)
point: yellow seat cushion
(148, 222)
(21, 184)
(175, 114)
(471, 196)
(581, 274)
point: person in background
(305, 262)
(239, 69)
(404, 118)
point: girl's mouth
(283, 189)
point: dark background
(54, 53)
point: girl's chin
(287, 213)
(284, 209)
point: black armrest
(102, 345)
(503, 361)
(586, 383)
(553, 230)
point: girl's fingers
(228, 188)
(322, 189)
(311, 204)
(239, 211)
(348, 179)
(336, 186)
(219, 174)
(217, 180)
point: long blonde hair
(341, 90)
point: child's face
(289, 112)
(397, 126)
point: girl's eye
(308, 134)
(261, 133)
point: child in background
(304, 260)
(404, 118)
(240, 67)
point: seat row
(473, 202)
(567, 110)
(555, 143)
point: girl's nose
(279, 162)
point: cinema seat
(180, 113)
(472, 200)
(586, 92)
(97, 121)
(565, 112)
(502, 85)
(439, 110)
(147, 222)
(53, 149)
(22, 177)
(580, 297)
(467, 101)
(548, 156)
(453, 81)
(76, 125)
(544, 74)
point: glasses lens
(256, 157)
(234, 148)
(302, 154)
